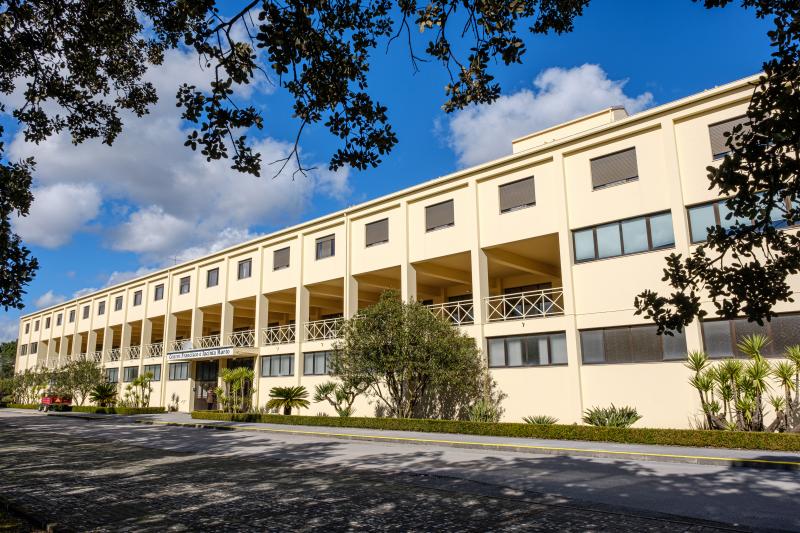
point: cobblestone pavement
(88, 476)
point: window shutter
(717, 134)
(613, 168)
(280, 258)
(439, 215)
(520, 193)
(377, 232)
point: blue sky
(105, 214)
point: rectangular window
(59, 319)
(158, 292)
(112, 375)
(277, 365)
(34, 347)
(377, 232)
(280, 259)
(439, 216)
(118, 303)
(212, 277)
(155, 370)
(23, 350)
(137, 298)
(528, 350)
(630, 236)
(101, 308)
(129, 373)
(36, 326)
(719, 132)
(720, 337)
(71, 316)
(614, 169)
(517, 195)
(316, 363)
(704, 217)
(27, 327)
(85, 312)
(245, 269)
(206, 370)
(185, 285)
(178, 371)
(326, 247)
(631, 344)
(47, 323)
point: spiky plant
(288, 398)
(758, 372)
(104, 394)
(540, 420)
(618, 417)
(784, 372)
(697, 362)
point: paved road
(117, 476)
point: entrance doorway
(244, 362)
(205, 376)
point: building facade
(538, 255)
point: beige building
(538, 255)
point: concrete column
(480, 282)
(350, 296)
(91, 341)
(262, 317)
(226, 321)
(170, 330)
(408, 281)
(300, 319)
(107, 338)
(147, 331)
(126, 336)
(197, 325)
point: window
(326, 247)
(129, 373)
(36, 326)
(85, 312)
(59, 319)
(71, 316)
(118, 303)
(277, 365)
(23, 350)
(316, 363)
(517, 195)
(625, 237)
(155, 370)
(34, 347)
(614, 169)
(112, 375)
(185, 285)
(206, 370)
(280, 259)
(27, 327)
(47, 323)
(528, 350)
(245, 269)
(212, 277)
(137, 298)
(439, 216)
(377, 232)
(720, 337)
(631, 344)
(719, 133)
(159, 292)
(101, 308)
(706, 216)
(178, 371)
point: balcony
(523, 305)
(278, 335)
(132, 352)
(459, 313)
(319, 330)
(208, 341)
(96, 356)
(155, 349)
(180, 345)
(114, 354)
(242, 339)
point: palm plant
(540, 420)
(697, 363)
(104, 394)
(288, 398)
(618, 417)
(237, 381)
(784, 373)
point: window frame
(617, 182)
(101, 308)
(313, 354)
(71, 316)
(441, 226)
(240, 265)
(127, 370)
(366, 232)
(86, 311)
(137, 298)
(266, 360)
(319, 241)
(185, 285)
(721, 155)
(519, 207)
(112, 371)
(59, 319)
(118, 302)
(209, 272)
(505, 339)
(27, 327)
(618, 223)
(174, 375)
(47, 323)
(629, 328)
(34, 347)
(158, 292)
(275, 256)
(150, 368)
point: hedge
(655, 436)
(117, 410)
(23, 405)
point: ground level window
(277, 365)
(178, 371)
(721, 337)
(155, 370)
(129, 373)
(112, 375)
(631, 344)
(316, 363)
(528, 350)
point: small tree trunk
(287, 410)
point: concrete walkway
(637, 452)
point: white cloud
(57, 212)
(9, 328)
(49, 298)
(166, 200)
(83, 292)
(123, 276)
(484, 132)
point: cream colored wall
(446, 241)
(247, 287)
(366, 259)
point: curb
(537, 449)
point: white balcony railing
(96, 356)
(114, 354)
(242, 339)
(180, 345)
(458, 313)
(318, 330)
(278, 335)
(155, 349)
(532, 304)
(209, 341)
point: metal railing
(114, 354)
(133, 352)
(96, 356)
(180, 345)
(318, 330)
(458, 313)
(521, 305)
(209, 341)
(155, 349)
(242, 339)
(278, 335)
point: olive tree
(414, 363)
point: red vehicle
(51, 402)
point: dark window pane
(701, 218)
(661, 233)
(497, 352)
(592, 346)
(608, 244)
(537, 351)
(785, 332)
(558, 349)
(514, 351)
(743, 328)
(675, 346)
(584, 244)
(634, 235)
(645, 344)
(717, 338)
(617, 345)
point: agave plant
(288, 398)
(617, 417)
(104, 394)
(540, 420)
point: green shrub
(614, 417)
(661, 437)
(540, 420)
(23, 405)
(117, 410)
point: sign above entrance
(222, 351)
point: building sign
(222, 351)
